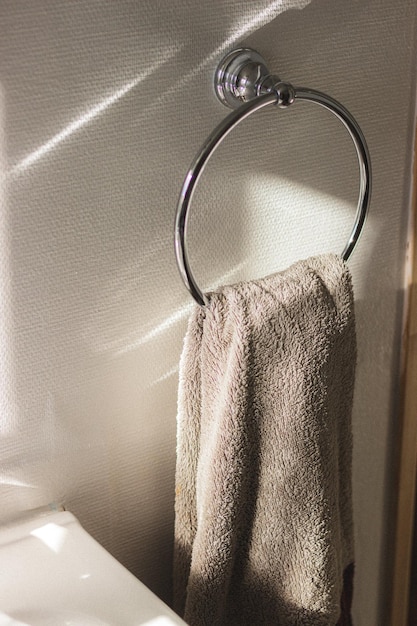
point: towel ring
(243, 82)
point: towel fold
(263, 528)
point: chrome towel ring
(243, 82)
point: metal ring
(224, 128)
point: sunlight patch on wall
(263, 17)
(172, 372)
(292, 221)
(157, 330)
(15, 482)
(244, 28)
(87, 117)
(180, 314)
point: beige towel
(263, 527)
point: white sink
(53, 573)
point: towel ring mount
(242, 82)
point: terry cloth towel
(263, 529)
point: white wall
(103, 106)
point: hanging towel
(263, 529)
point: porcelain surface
(53, 573)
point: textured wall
(103, 106)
